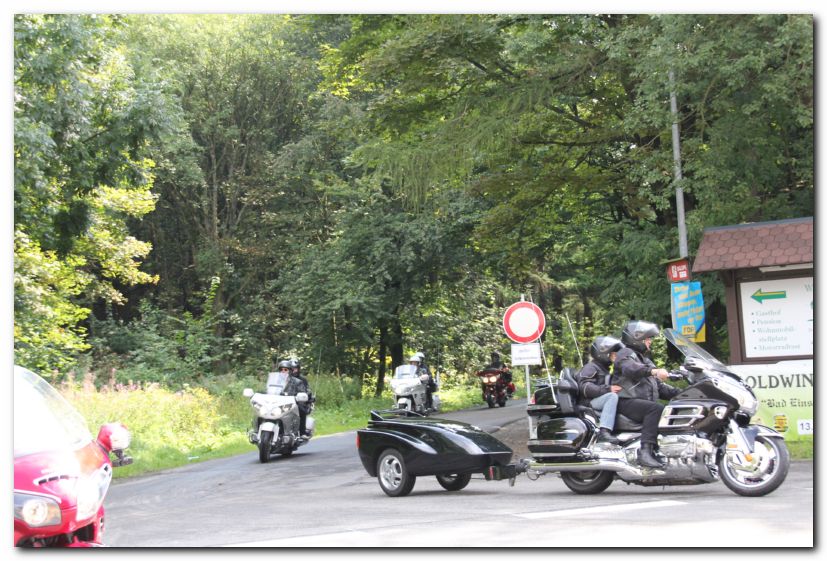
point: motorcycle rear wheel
(264, 445)
(588, 482)
(393, 475)
(773, 464)
(454, 482)
(502, 400)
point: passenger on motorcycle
(642, 383)
(498, 364)
(595, 387)
(418, 360)
(295, 385)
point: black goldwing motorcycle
(704, 435)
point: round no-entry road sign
(524, 322)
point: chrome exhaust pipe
(605, 464)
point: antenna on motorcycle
(579, 355)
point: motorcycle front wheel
(490, 400)
(588, 482)
(454, 482)
(264, 445)
(771, 462)
(393, 475)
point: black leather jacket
(633, 373)
(593, 380)
(295, 385)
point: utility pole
(676, 155)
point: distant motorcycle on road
(276, 420)
(494, 387)
(410, 390)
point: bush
(168, 428)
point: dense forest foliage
(195, 195)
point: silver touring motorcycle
(276, 419)
(705, 434)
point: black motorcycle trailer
(398, 446)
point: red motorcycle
(61, 475)
(495, 389)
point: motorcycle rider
(498, 364)
(642, 383)
(593, 381)
(418, 360)
(296, 384)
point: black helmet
(295, 365)
(636, 331)
(602, 346)
(284, 364)
(495, 357)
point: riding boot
(605, 435)
(646, 456)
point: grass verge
(172, 429)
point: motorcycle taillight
(357, 440)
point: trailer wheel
(393, 475)
(454, 481)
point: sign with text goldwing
(785, 394)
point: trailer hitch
(508, 471)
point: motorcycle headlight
(36, 511)
(91, 492)
(746, 401)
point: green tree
(81, 122)
(562, 125)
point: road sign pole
(528, 400)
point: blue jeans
(607, 405)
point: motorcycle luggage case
(562, 436)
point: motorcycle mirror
(248, 392)
(694, 364)
(114, 436)
(301, 397)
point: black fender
(373, 442)
(753, 431)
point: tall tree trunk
(380, 375)
(557, 311)
(588, 328)
(395, 340)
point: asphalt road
(322, 497)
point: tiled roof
(758, 244)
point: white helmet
(416, 357)
(421, 356)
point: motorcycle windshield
(276, 381)
(691, 349)
(405, 371)
(43, 420)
